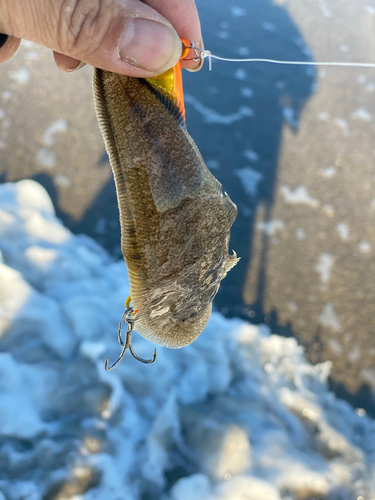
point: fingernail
(198, 66)
(80, 65)
(150, 46)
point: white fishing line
(206, 54)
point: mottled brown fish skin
(175, 219)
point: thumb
(123, 36)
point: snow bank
(237, 415)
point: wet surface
(293, 146)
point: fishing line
(202, 54)
(206, 54)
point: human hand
(123, 36)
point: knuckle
(80, 25)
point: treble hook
(128, 318)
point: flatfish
(175, 218)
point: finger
(183, 16)
(8, 47)
(67, 63)
(124, 36)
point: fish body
(175, 219)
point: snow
(56, 127)
(46, 158)
(246, 92)
(362, 114)
(268, 26)
(62, 181)
(224, 35)
(6, 95)
(323, 115)
(212, 164)
(237, 11)
(33, 55)
(271, 227)
(343, 124)
(329, 319)
(290, 117)
(300, 234)
(343, 230)
(21, 76)
(324, 266)
(239, 414)
(328, 172)
(240, 74)
(212, 116)
(251, 155)
(324, 8)
(364, 247)
(250, 179)
(299, 196)
(243, 51)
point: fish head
(178, 310)
(173, 329)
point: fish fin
(168, 89)
(231, 262)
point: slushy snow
(238, 415)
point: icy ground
(238, 415)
